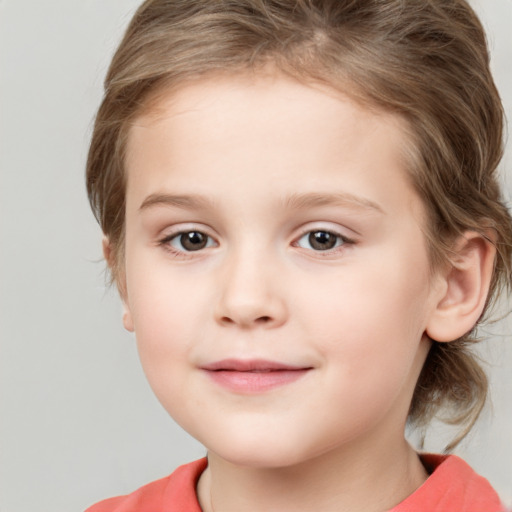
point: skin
(255, 165)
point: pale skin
(272, 220)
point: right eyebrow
(186, 202)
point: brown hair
(425, 60)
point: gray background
(78, 421)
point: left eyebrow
(314, 199)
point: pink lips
(253, 376)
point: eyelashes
(322, 240)
(189, 243)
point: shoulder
(174, 493)
(452, 485)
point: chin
(258, 460)
(269, 452)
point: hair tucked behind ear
(451, 379)
(425, 60)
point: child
(302, 216)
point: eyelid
(335, 229)
(185, 227)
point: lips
(253, 376)
(253, 365)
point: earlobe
(465, 288)
(127, 318)
(108, 254)
(107, 250)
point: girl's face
(277, 276)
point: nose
(251, 293)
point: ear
(108, 254)
(465, 286)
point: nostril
(263, 319)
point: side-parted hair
(424, 60)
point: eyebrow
(185, 202)
(293, 202)
(315, 199)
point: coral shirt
(452, 487)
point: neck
(343, 480)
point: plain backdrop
(78, 422)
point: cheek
(164, 313)
(364, 304)
(160, 297)
(370, 322)
(164, 329)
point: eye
(189, 241)
(321, 240)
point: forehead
(215, 100)
(273, 95)
(246, 128)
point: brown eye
(189, 241)
(321, 240)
